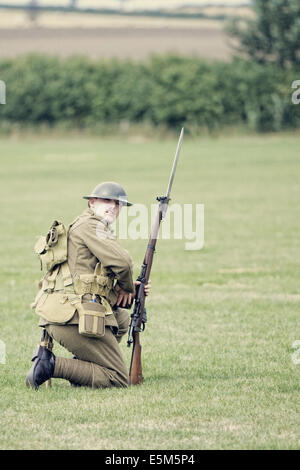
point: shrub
(164, 90)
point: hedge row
(167, 90)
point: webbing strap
(52, 278)
(95, 325)
(66, 274)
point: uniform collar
(106, 225)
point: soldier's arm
(111, 255)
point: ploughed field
(111, 36)
(220, 361)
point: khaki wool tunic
(91, 240)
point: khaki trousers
(99, 362)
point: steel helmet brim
(122, 201)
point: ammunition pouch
(99, 283)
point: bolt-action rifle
(139, 315)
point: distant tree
(273, 35)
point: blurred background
(114, 28)
(206, 65)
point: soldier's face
(108, 209)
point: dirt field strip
(121, 42)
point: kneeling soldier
(88, 280)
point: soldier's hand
(146, 288)
(124, 297)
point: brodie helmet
(110, 190)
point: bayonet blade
(175, 163)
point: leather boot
(42, 369)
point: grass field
(217, 350)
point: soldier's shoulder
(88, 223)
(81, 220)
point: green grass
(218, 344)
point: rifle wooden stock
(135, 371)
